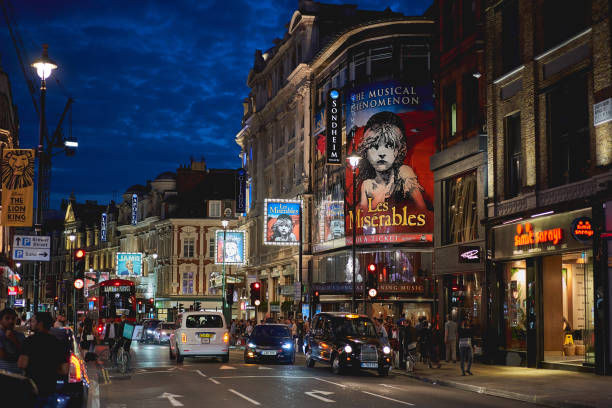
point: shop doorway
(567, 309)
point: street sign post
(31, 248)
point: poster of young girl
(391, 127)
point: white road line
(215, 381)
(201, 373)
(390, 386)
(330, 382)
(387, 398)
(252, 401)
(261, 376)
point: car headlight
(287, 346)
(252, 345)
(348, 349)
(386, 349)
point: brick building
(549, 84)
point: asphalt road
(156, 381)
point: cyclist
(121, 340)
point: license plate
(268, 353)
(206, 335)
(369, 365)
(205, 341)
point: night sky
(154, 82)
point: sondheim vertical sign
(17, 187)
(334, 121)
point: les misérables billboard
(392, 124)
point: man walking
(11, 341)
(44, 357)
(450, 339)
(110, 336)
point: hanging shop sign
(334, 127)
(535, 236)
(129, 264)
(15, 290)
(232, 244)
(394, 134)
(282, 219)
(469, 253)
(134, 209)
(103, 225)
(17, 187)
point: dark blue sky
(154, 82)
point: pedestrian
(465, 346)
(110, 336)
(427, 343)
(44, 358)
(233, 332)
(450, 339)
(11, 341)
(60, 322)
(87, 336)
(249, 328)
(407, 336)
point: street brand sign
(602, 112)
(334, 123)
(31, 248)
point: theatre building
(549, 187)
(378, 74)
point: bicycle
(122, 360)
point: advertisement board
(282, 219)
(129, 264)
(241, 182)
(331, 220)
(17, 187)
(134, 209)
(103, 226)
(235, 245)
(392, 129)
(334, 131)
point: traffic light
(229, 294)
(372, 281)
(315, 297)
(256, 293)
(79, 264)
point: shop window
(461, 212)
(188, 247)
(510, 36)
(450, 110)
(187, 283)
(515, 306)
(464, 299)
(568, 132)
(512, 128)
(470, 101)
(562, 19)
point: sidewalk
(553, 388)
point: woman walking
(465, 347)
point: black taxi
(346, 341)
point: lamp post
(72, 237)
(354, 159)
(44, 67)
(224, 308)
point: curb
(534, 399)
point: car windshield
(271, 331)
(204, 322)
(361, 327)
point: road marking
(201, 373)
(390, 386)
(215, 381)
(330, 382)
(314, 393)
(387, 398)
(261, 376)
(264, 368)
(226, 367)
(171, 399)
(252, 401)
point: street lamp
(44, 67)
(353, 160)
(72, 237)
(224, 223)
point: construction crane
(55, 140)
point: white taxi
(200, 334)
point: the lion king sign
(17, 187)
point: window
(211, 246)
(381, 62)
(189, 248)
(449, 24)
(461, 212)
(203, 322)
(510, 36)
(513, 155)
(562, 19)
(568, 132)
(214, 209)
(450, 110)
(470, 101)
(187, 283)
(469, 17)
(359, 66)
(415, 62)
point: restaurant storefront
(543, 303)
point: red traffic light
(256, 285)
(316, 293)
(372, 267)
(140, 302)
(79, 253)
(151, 300)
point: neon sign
(582, 229)
(527, 236)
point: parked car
(162, 332)
(200, 334)
(346, 341)
(270, 342)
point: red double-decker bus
(111, 299)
